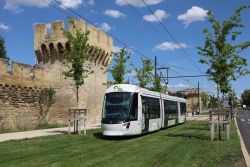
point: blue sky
(184, 19)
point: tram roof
(135, 88)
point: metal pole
(167, 74)
(155, 69)
(199, 108)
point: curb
(243, 147)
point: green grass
(181, 146)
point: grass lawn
(181, 146)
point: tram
(131, 110)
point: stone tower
(49, 48)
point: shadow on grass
(198, 128)
(99, 135)
(189, 135)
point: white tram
(131, 110)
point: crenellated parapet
(22, 74)
(50, 47)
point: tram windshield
(120, 106)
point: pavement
(38, 133)
(243, 123)
(198, 118)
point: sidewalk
(198, 118)
(38, 133)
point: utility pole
(155, 69)
(167, 74)
(199, 107)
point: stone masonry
(20, 84)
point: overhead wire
(172, 37)
(161, 35)
(117, 39)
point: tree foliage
(233, 102)
(245, 97)
(157, 84)
(46, 99)
(144, 74)
(3, 53)
(119, 69)
(76, 56)
(220, 51)
(204, 100)
(178, 94)
(213, 103)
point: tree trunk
(218, 98)
(77, 101)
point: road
(243, 121)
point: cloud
(15, 5)
(160, 14)
(105, 27)
(70, 3)
(169, 46)
(194, 14)
(114, 13)
(137, 3)
(116, 49)
(179, 85)
(4, 27)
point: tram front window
(119, 107)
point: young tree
(157, 84)
(76, 56)
(204, 99)
(46, 99)
(222, 56)
(213, 102)
(3, 54)
(219, 52)
(119, 69)
(144, 75)
(245, 97)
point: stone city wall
(20, 83)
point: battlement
(20, 73)
(49, 47)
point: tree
(157, 84)
(178, 94)
(219, 52)
(213, 102)
(144, 75)
(119, 69)
(46, 99)
(233, 102)
(3, 53)
(76, 56)
(245, 97)
(205, 100)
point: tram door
(145, 114)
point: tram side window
(134, 107)
(171, 109)
(183, 108)
(154, 108)
(151, 106)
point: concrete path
(38, 133)
(198, 118)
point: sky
(174, 45)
